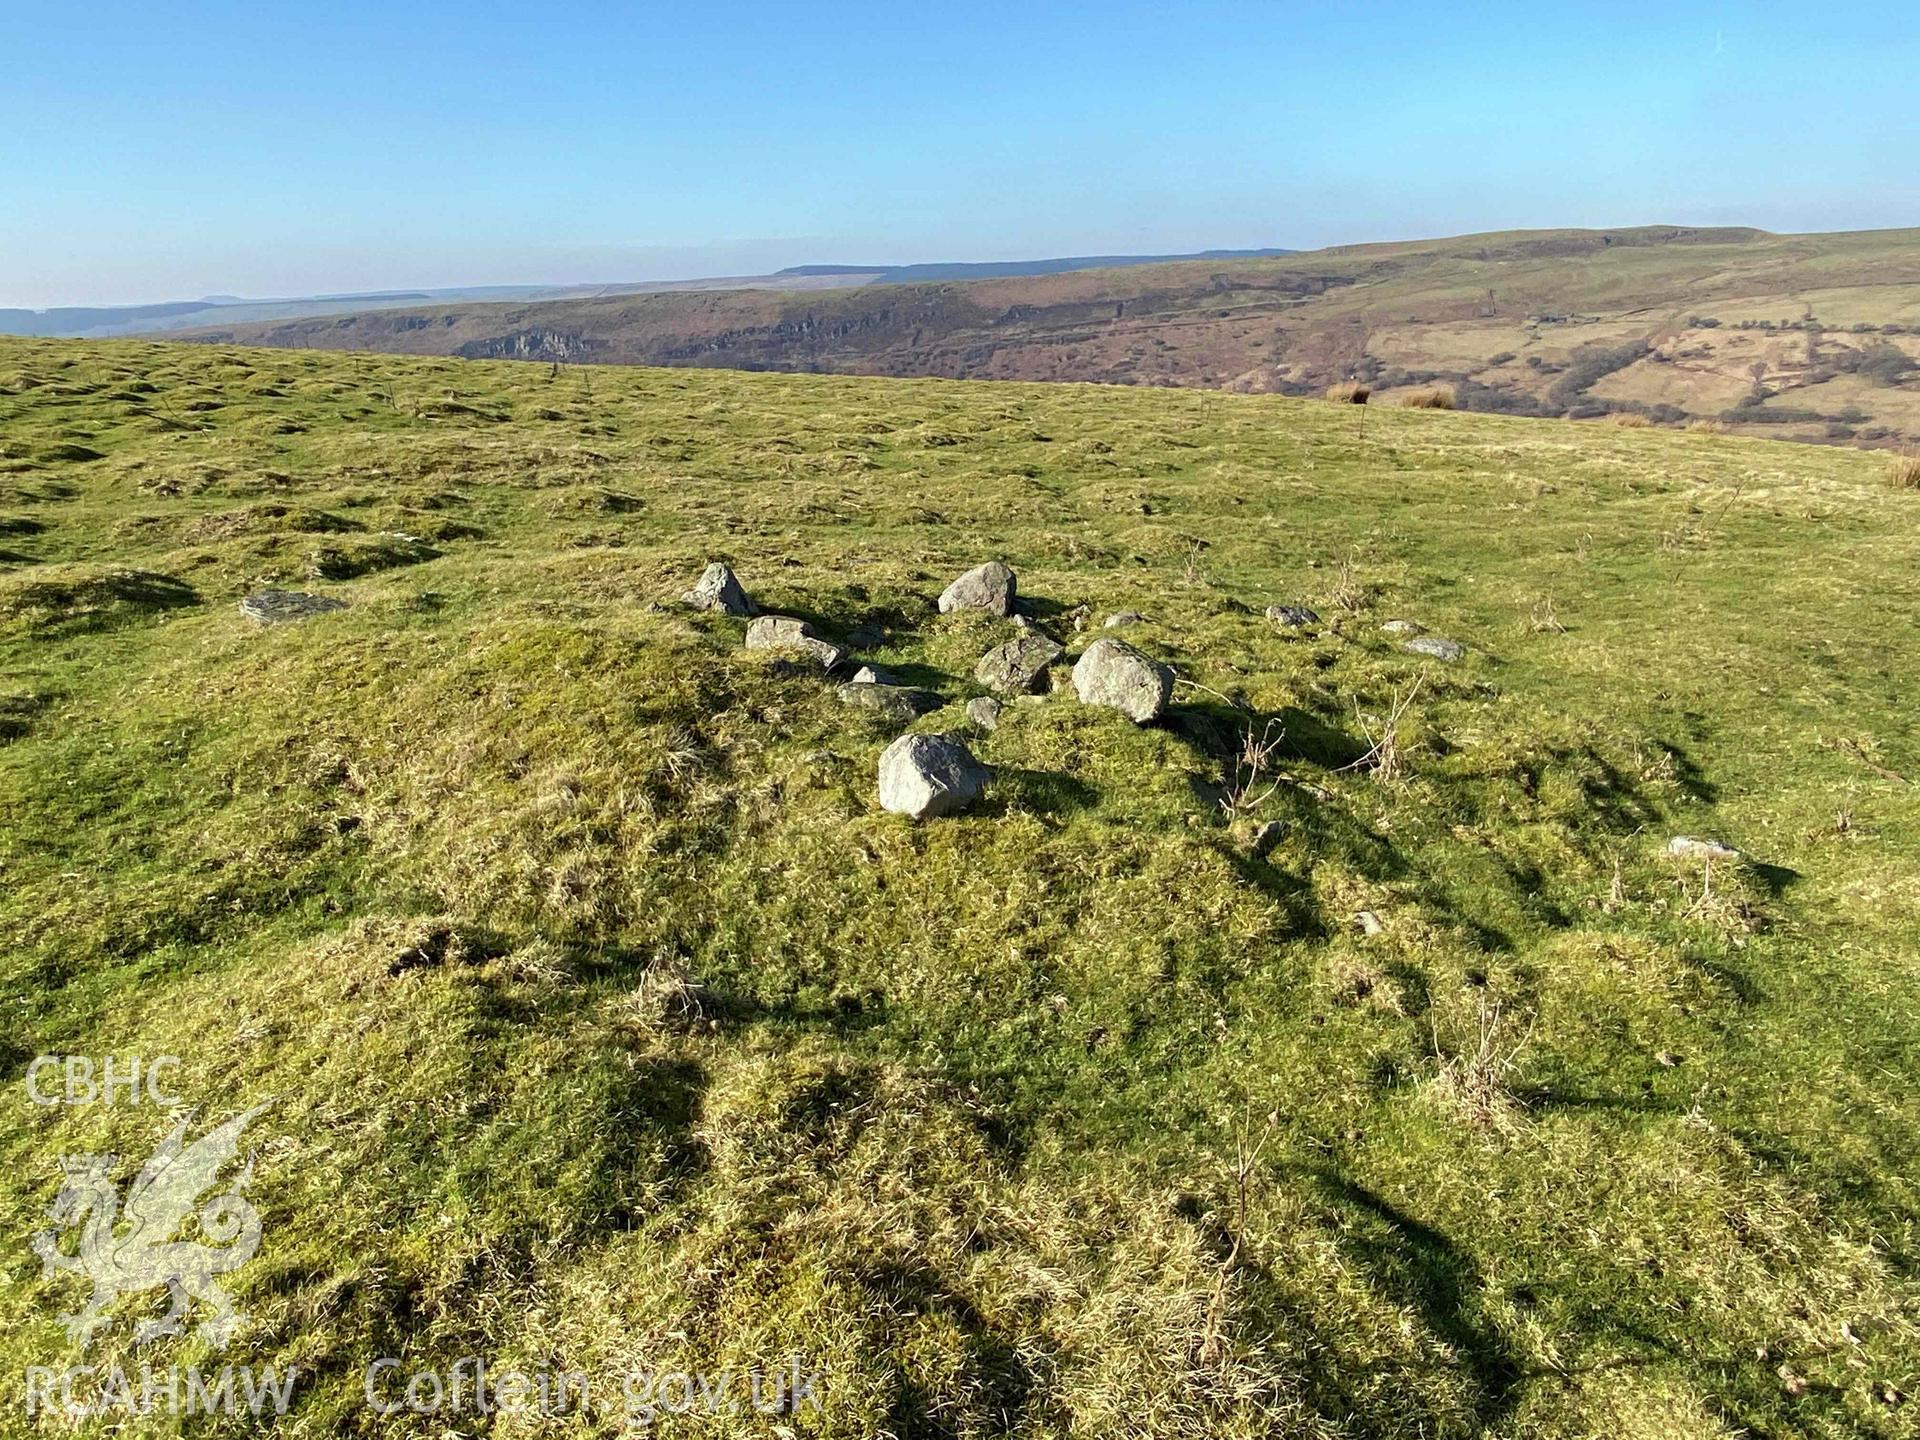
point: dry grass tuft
(1906, 472)
(1475, 1075)
(1349, 392)
(1437, 398)
(1707, 427)
(1629, 420)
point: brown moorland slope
(1813, 337)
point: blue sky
(165, 151)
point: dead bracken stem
(1384, 759)
(1246, 1155)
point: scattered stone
(1691, 847)
(1015, 668)
(1080, 617)
(784, 632)
(719, 589)
(987, 587)
(1438, 646)
(1292, 616)
(275, 607)
(1369, 923)
(1122, 618)
(984, 711)
(895, 702)
(928, 775)
(1403, 627)
(872, 675)
(1114, 674)
(1668, 1058)
(1259, 841)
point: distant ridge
(1006, 269)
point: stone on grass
(987, 587)
(1292, 616)
(1403, 627)
(984, 711)
(719, 589)
(1694, 847)
(1114, 674)
(1438, 646)
(275, 607)
(1369, 923)
(1122, 618)
(1259, 840)
(895, 702)
(928, 775)
(1015, 668)
(784, 632)
(872, 675)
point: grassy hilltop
(607, 1021)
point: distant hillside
(1813, 337)
(107, 321)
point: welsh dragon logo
(140, 1254)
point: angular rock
(784, 632)
(719, 589)
(895, 702)
(1403, 627)
(1015, 668)
(987, 587)
(984, 711)
(1292, 616)
(276, 607)
(871, 675)
(928, 775)
(1122, 618)
(1438, 646)
(1114, 674)
(1693, 847)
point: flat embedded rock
(896, 702)
(1293, 617)
(784, 632)
(1403, 627)
(1114, 674)
(1437, 646)
(1015, 668)
(1694, 847)
(276, 607)
(719, 589)
(988, 587)
(924, 776)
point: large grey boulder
(276, 607)
(985, 587)
(894, 702)
(1438, 646)
(719, 589)
(928, 775)
(1114, 674)
(1015, 668)
(784, 632)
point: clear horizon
(219, 149)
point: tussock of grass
(611, 1024)
(1438, 397)
(1906, 472)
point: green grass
(610, 1023)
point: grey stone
(784, 632)
(1693, 847)
(1292, 616)
(1403, 627)
(872, 675)
(1114, 674)
(1260, 840)
(985, 587)
(984, 711)
(1369, 923)
(275, 607)
(1122, 617)
(719, 589)
(1015, 668)
(896, 702)
(928, 775)
(1438, 646)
